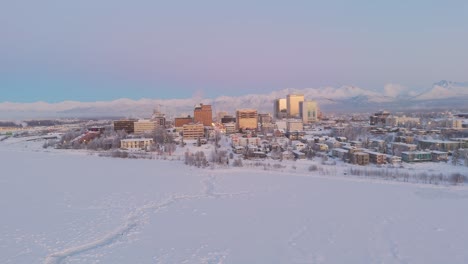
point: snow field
(62, 208)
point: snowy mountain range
(442, 94)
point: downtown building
(309, 111)
(181, 121)
(145, 126)
(203, 114)
(280, 109)
(292, 104)
(126, 125)
(193, 131)
(246, 119)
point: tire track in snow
(134, 219)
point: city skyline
(101, 51)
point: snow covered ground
(69, 207)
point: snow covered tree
(455, 157)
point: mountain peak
(443, 83)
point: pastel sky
(88, 50)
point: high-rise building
(309, 111)
(203, 114)
(247, 119)
(280, 108)
(292, 104)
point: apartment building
(136, 143)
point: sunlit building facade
(292, 104)
(246, 119)
(203, 114)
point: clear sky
(88, 50)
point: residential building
(439, 155)
(441, 145)
(376, 157)
(340, 153)
(320, 147)
(393, 159)
(203, 114)
(416, 156)
(360, 158)
(298, 145)
(455, 123)
(292, 104)
(136, 143)
(249, 141)
(356, 143)
(287, 155)
(405, 121)
(193, 131)
(398, 148)
(463, 141)
(247, 119)
(338, 130)
(404, 139)
(298, 155)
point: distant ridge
(442, 94)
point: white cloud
(393, 90)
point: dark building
(126, 125)
(228, 119)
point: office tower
(309, 111)
(203, 114)
(292, 104)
